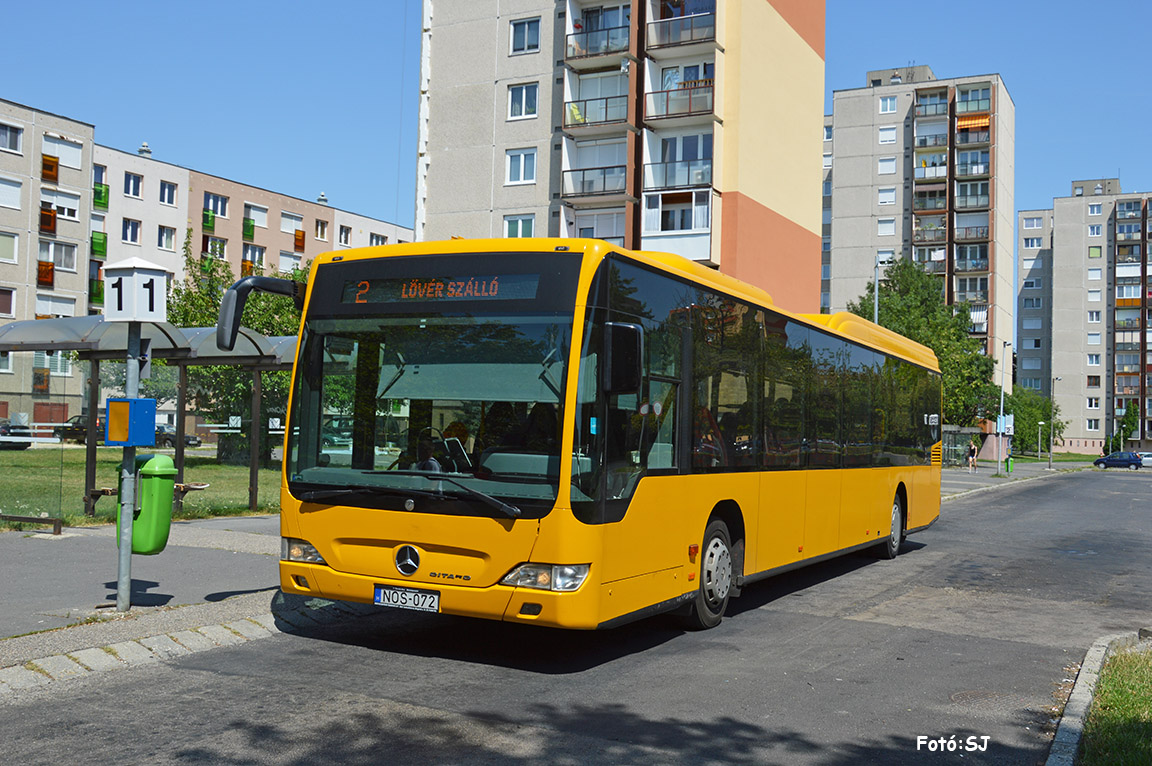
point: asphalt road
(970, 633)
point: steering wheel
(432, 431)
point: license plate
(408, 598)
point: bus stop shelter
(95, 340)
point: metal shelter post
(90, 444)
(128, 478)
(254, 443)
(181, 404)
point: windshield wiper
(320, 495)
(510, 510)
(399, 373)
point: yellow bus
(565, 433)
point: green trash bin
(152, 517)
(1009, 464)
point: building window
(216, 203)
(253, 254)
(826, 245)
(1093, 339)
(885, 166)
(1033, 283)
(131, 232)
(258, 215)
(827, 132)
(290, 223)
(166, 238)
(1033, 243)
(887, 135)
(1027, 264)
(11, 138)
(62, 255)
(1093, 360)
(376, 240)
(1093, 296)
(886, 196)
(1093, 381)
(1092, 424)
(825, 271)
(1093, 316)
(885, 227)
(1030, 363)
(1094, 251)
(289, 262)
(887, 104)
(7, 299)
(518, 225)
(1094, 274)
(65, 205)
(522, 101)
(58, 364)
(1094, 208)
(520, 166)
(345, 235)
(10, 193)
(1033, 223)
(1034, 343)
(1032, 323)
(132, 184)
(1094, 230)
(1124, 291)
(167, 193)
(827, 160)
(1033, 303)
(679, 211)
(321, 230)
(827, 190)
(9, 243)
(526, 36)
(217, 247)
(825, 302)
(1093, 402)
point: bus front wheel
(707, 609)
(895, 537)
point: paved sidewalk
(955, 481)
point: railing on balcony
(99, 244)
(606, 180)
(1127, 213)
(973, 105)
(45, 274)
(966, 137)
(100, 196)
(972, 296)
(47, 220)
(595, 111)
(1127, 324)
(249, 229)
(682, 30)
(677, 175)
(208, 220)
(929, 235)
(972, 200)
(247, 268)
(597, 43)
(1128, 236)
(972, 264)
(939, 139)
(930, 110)
(972, 232)
(692, 97)
(972, 169)
(979, 328)
(1127, 257)
(49, 168)
(298, 241)
(96, 292)
(936, 171)
(1128, 390)
(933, 267)
(929, 203)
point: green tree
(911, 304)
(1125, 428)
(1029, 408)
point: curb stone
(1066, 743)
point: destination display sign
(490, 287)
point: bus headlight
(292, 549)
(558, 577)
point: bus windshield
(458, 409)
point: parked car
(12, 436)
(1145, 459)
(1129, 460)
(76, 428)
(337, 432)
(166, 437)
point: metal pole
(876, 292)
(128, 478)
(254, 444)
(1000, 420)
(91, 437)
(1051, 414)
(1039, 431)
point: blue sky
(304, 97)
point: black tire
(890, 548)
(1133, 467)
(716, 578)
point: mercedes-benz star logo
(407, 560)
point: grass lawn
(1119, 726)
(50, 480)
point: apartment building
(922, 168)
(686, 126)
(45, 204)
(1084, 301)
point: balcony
(920, 204)
(971, 233)
(972, 169)
(208, 220)
(933, 267)
(971, 201)
(1128, 236)
(600, 183)
(247, 268)
(1128, 390)
(677, 175)
(49, 169)
(100, 196)
(99, 246)
(1127, 257)
(249, 229)
(972, 296)
(45, 274)
(1127, 213)
(974, 105)
(47, 220)
(972, 264)
(298, 241)
(681, 36)
(939, 139)
(930, 110)
(1127, 324)
(592, 116)
(929, 235)
(692, 99)
(973, 137)
(932, 173)
(597, 49)
(96, 292)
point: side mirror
(623, 358)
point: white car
(1145, 459)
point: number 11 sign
(135, 290)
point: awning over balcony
(974, 121)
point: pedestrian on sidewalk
(971, 456)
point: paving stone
(96, 660)
(248, 629)
(164, 646)
(193, 641)
(133, 653)
(60, 667)
(19, 677)
(266, 621)
(220, 635)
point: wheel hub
(717, 571)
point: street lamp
(1000, 420)
(1039, 431)
(876, 291)
(1052, 414)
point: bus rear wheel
(716, 576)
(891, 545)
